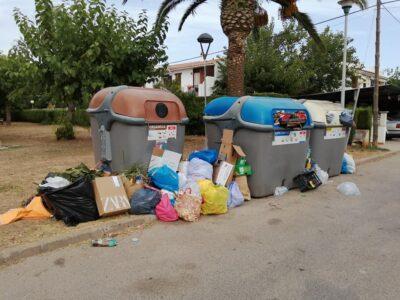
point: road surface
(316, 245)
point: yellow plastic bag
(215, 198)
(33, 211)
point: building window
(364, 85)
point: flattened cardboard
(130, 186)
(224, 173)
(243, 187)
(110, 195)
(160, 157)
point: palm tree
(238, 19)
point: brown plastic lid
(153, 105)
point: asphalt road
(317, 245)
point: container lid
(152, 105)
(261, 110)
(219, 106)
(324, 112)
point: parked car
(393, 124)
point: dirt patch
(25, 166)
(359, 152)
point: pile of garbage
(209, 182)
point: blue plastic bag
(348, 164)
(235, 195)
(164, 178)
(208, 155)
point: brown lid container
(153, 105)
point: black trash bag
(307, 181)
(346, 119)
(73, 203)
(144, 201)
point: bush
(52, 116)
(363, 120)
(65, 131)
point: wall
(186, 79)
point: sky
(183, 45)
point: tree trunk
(8, 112)
(235, 63)
(377, 62)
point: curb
(377, 157)
(10, 255)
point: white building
(190, 76)
(366, 78)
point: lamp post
(205, 40)
(346, 6)
(32, 102)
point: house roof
(370, 73)
(191, 65)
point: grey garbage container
(276, 151)
(127, 122)
(329, 137)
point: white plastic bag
(192, 188)
(183, 167)
(280, 190)
(55, 182)
(182, 180)
(348, 164)
(322, 175)
(349, 189)
(235, 195)
(199, 169)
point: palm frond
(305, 22)
(165, 8)
(191, 10)
(363, 4)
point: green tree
(17, 81)
(79, 47)
(394, 76)
(290, 62)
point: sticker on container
(289, 137)
(335, 133)
(161, 132)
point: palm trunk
(8, 112)
(236, 60)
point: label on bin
(335, 133)
(289, 137)
(161, 132)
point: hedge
(51, 116)
(194, 109)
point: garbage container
(273, 132)
(329, 137)
(127, 122)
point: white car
(393, 125)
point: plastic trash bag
(74, 203)
(346, 119)
(170, 195)
(280, 190)
(199, 169)
(191, 187)
(349, 189)
(164, 178)
(348, 164)
(208, 155)
(55, 182)
(182, 167)
(188, 206)
(144, 201)
(322, 175)
(215, 198)
(182, 179)
(235, 195)
(165, 211)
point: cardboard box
(110, 195)
(228, 153)
(224, 172)
(130, 186)
(160, 157)
(243, 186)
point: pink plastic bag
(165, 211)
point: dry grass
(25, 166)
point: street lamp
(205, 40)
(346, 6)
(32, 102)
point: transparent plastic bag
(322, 175)
(280, 190)
(349, 189)
(199, 169)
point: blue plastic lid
(219, 106)
(261, 110)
